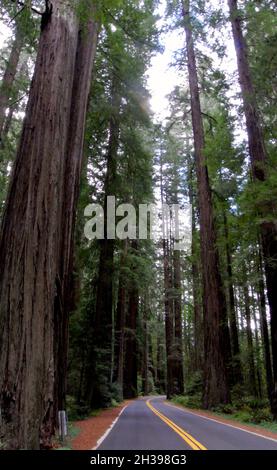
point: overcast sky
(163, 78)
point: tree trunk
(120, 327)
(160, 359)
(237, 375)
(264, 328)
(130, 388)
(145, 353)
(169, 320)
(216, 388)
(257, 354)
(178, 366)
(86, 50)
(258, 160)
(8, 78)
(250, 350)
(169, 324)
(31, 241)
(103, 322)
(197, 320)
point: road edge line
(185, 410)
(107, 432)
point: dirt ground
(92, 429)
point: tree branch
(23, 5)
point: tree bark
(31, 241)
(237, 375)
(130, 387)
(169, 323)
(160, 359)
(250, 350)
(258, 160)
(198, 317)
(120, 327)
(169, 320)
(178, 367)
(257, 354)
(216, 388)
(145, 352)
(264, 327)
(103, 322)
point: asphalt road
(152, 424)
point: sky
(163, 78)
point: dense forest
(86, 323)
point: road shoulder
(230, 422)
(92, 429)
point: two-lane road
(153, 424)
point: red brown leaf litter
(92, 429)
(236, 424)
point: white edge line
(102, 438)
(220, 422)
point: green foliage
(188, 401)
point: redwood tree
(258, 158)
(36, 233)
(214, 305)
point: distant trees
(9, 77)
(87, 323)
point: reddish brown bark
(145, 352)
(250, 350)
(35, 252)
(168, 311)
(103, 322)
(258, 160)
(264, 326)
(178, 327)
(130, 387)
(215, 374)
(197, 308)
(120, 326)
(237, 374)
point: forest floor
(270, 429)
(87, 432)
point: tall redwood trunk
(237, 374)
(178, 342)
(258, 160)
(130, 386)
(216, 388)
(168, 311)
(32, 239)
(160, 359)
(145, 352)
(264, 327)
(257, 353)
(9, 77)
(103, 322)
(120, 326)
(169, 322)
(86, 50)
(198, 317)
(250, 349)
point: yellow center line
(193, 443)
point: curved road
(153, 424)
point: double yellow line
(193, 443)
